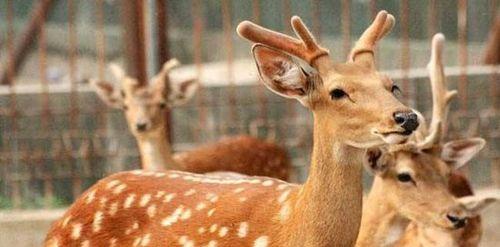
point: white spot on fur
(283, 196)
(134, 226)
(160, 174)
(103, 201)
(169, 220)
(282, 186)
(118, 189)
(112, 242)
(112, 184)
(151, 211)
(213, 228)
(90, 197)
(190, 192)
(242, 199)
(169, 197)
(96, 224)
(211, 212)
(201, 206)
(159, 194)
(173, 175)
(262, 241)
(146, 239)
(129, 200)
(201, 230)
(223, 231)
(183, 239)
(243, 230)
(85, 243)
(136, 172)
(212, 243)
(144, 200)
(238, 190)
(76, 231)
(284, 212)
(113, 208)
(186, 214)
(268, 183)
(66, 220)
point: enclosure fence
(57, 138)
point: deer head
(351, 99)
(413, 177)
(143, 105)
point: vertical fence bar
(100, 45)
(133, 37)
(462, 53)
(16, 191)
(197, 36)
(261, 96)
(162, 48)
(46, 115)
(405, 48)
(228, 43)
(74, 104)
(495, 93)
(346, 27)
(432, 18)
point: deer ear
(181, 92)
(458, 153)
(374, 161)
(477, 203)
(107, 92)
(280, 73)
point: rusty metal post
(25, 41)
(132, 13)
(162, 50)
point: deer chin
(393, 137)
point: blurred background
(57, 138)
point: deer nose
(407, 120)
(141, 126)
(457, 221)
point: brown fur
(242, 154)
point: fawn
(144, 108)
(354, 108)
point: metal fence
(57, 138)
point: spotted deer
(412, 179)
(353, 108)
(144, 108)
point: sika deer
(411, 181)
(468, 236)
(144, 108)
(353, 109)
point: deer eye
(405, 177)
(338, 93)
(163, 105)
(396, 90)
(125, 107)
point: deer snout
(141, 126)
(408, 120)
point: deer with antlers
(412, 180)
(144, 108)
(353, 107)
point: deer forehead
(422, 165)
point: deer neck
(381, 224)
(156, 153)
(327, 210)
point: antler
(440, 95)
(363, 51)
(306, 48)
